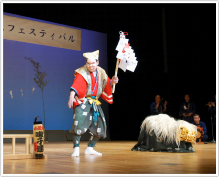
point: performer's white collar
(94, 73)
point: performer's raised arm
(107, 93)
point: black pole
(164, 40)
(213, 141)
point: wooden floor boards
(117, 159)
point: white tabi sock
(90, 151)
(76, 152)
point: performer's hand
(190, 114)
(184, 114)
(213, 104)
(115, 80)
(209, 104)
(71, 99)
(165, 104)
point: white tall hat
(92, 55)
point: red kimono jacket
(80, 87)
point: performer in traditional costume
(165, 134)
(91, 82)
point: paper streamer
(126, 54)
(21, 90)
(11, 94)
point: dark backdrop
(190, 45)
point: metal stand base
(213, 141)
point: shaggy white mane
(166, 127)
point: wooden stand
(199, 141)
(199, 137)
(28, 144)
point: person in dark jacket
(202, 125)
(187, 109)
(158, 107)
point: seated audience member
(157, 107)
(202, 125)
(187, 109)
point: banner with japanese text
(24, 30)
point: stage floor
(117, 159)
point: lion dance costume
(161, 133)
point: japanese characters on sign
(30, 31)
(38, 138)
(40, 127)
(39, 144)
